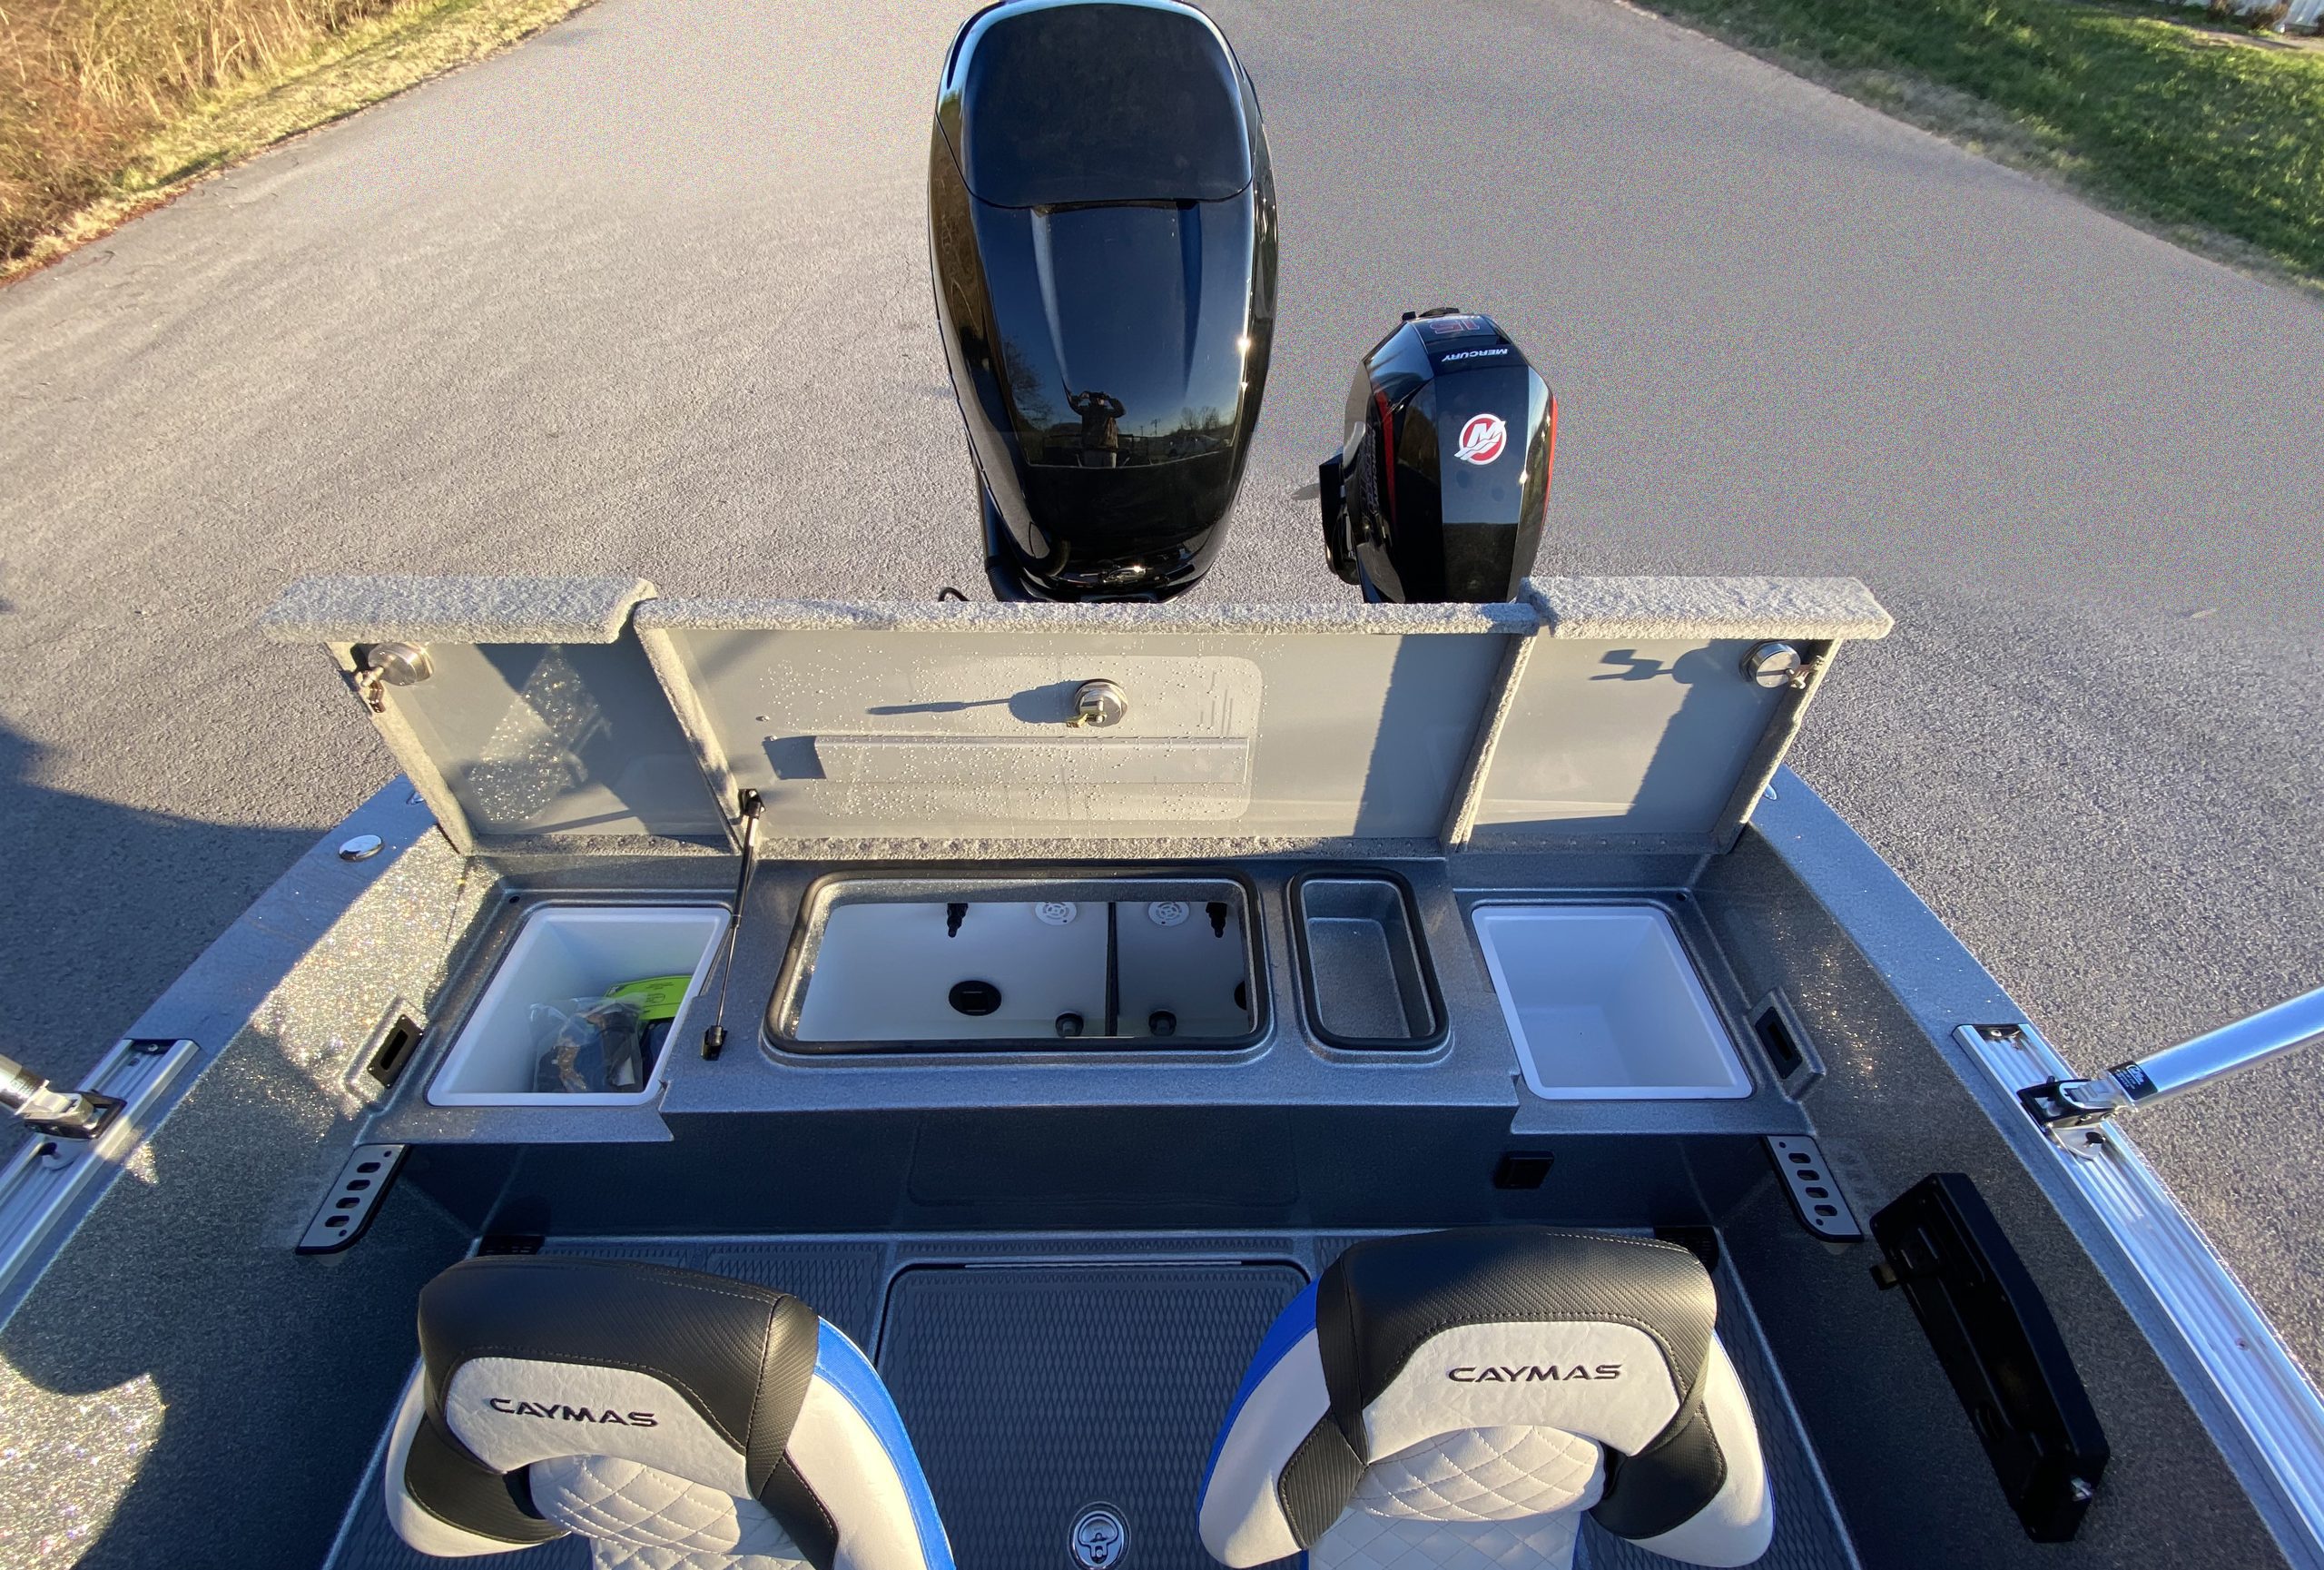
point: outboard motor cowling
(1441, 487)
(1102, 235)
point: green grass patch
(2208, 133)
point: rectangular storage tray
(560, 953)
(1603, 1004)
(1364, 967)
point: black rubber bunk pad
(1035, 1394)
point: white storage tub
(562, 953)
(1603, 1004)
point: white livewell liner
(1603, 1004)
(885, 973)
(562, 953)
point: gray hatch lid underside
(1590, 714)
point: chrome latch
(1099, 704)
(381, 665)
(1777, 665)
(2062, 1105)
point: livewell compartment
(900, 963)
(562, 952)
(1603, 1004)
(892, 971)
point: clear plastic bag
(590, 1045)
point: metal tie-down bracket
(2063, 1106)
(46, 1110)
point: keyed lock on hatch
(1774, 665)
(381, 665)
(1099, 704)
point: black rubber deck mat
(1035, 1394)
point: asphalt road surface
(650, 293)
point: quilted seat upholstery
(1481, 1475)
(1460, 1400)
(1371, 1543)
(646, 1519)
(679, 1421)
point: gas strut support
(45, 1109)
(713, 1039)
(2215, 1055)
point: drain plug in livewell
(975, 998)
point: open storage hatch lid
(577, 715)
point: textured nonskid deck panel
(1037, 1395)
(1042, 1374)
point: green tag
(658, 997)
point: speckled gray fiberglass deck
(1808, 1536)
(1039, 1375)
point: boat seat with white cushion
(681, 1421)
(1456, 1401)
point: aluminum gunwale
(2279, 1411)
(49, 1182)
(2149, 1254)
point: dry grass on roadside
(107, 106)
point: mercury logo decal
(1527, 1374)
(1482, 438)
(569, 1414)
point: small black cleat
(1069, 1025)
(954, 914)
(1217, 910)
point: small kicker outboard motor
(1102, 233)
(1441, 487)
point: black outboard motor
(1440, 491)
(1102, 233)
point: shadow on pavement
(106, 905)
